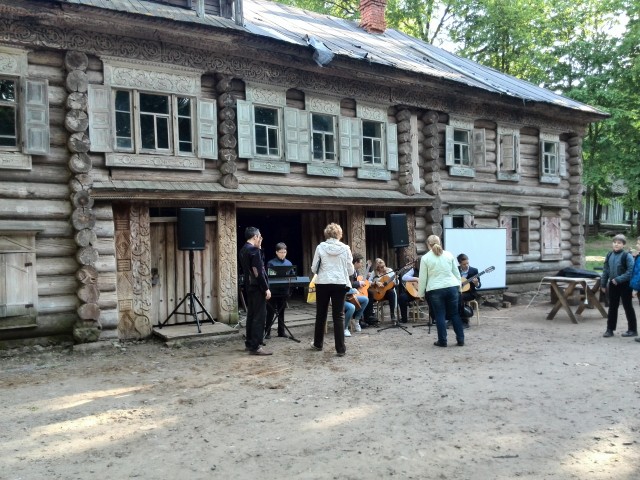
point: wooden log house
(113, 115)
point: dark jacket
(635, 276)
(473, 271)
(250, 259)
(618, 266)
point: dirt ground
(524, 398)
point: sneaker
(629, 333)
(347, 333)
(637, 339)
(341, 354)
(608, 333)
(358, 327)
(313, 347)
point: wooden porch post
(227, 274)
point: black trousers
(335, 293)
(256, 318)
(621, 292)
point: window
(165, 123)
(8, 113)
(267, 131)
(461, 145)
(549, 158)
(517, 227)
(552, 158)
(372, 143)
(323, 137)
(138, 123)
(24, 112)
(465, 147)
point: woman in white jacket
(333, 264)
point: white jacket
(336, 263)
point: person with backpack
(616, 276)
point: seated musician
(356, 302)
(278, 302)
(404, 296)
(382, 280)
(470, 293)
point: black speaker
(397, 230)
(191, 229)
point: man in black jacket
(468, 286)
(256, 285)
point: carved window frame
(560, 168)
(456, 124)
(141, 77)
(31, 110)
(507, 217)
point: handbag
(311, 293)
(466, 312)
(352, 297)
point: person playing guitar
(468, 287)
(382, 280)
(357, 297)
(409, 291)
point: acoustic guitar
(411, 287)
(386, 283)
(466, 284)
(363, 291)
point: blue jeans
(349, 310)
(444, 302)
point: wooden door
(170, 272)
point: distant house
(117, 114)
(612, 216)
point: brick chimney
(372, 15)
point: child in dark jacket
(616, 275)
(635, 276)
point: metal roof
(346, 39)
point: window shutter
(550, 237)
(524, 235)
(100, 118)
(479, 147)
(245, 129)
(296, 135)
(562, 159)
(207, 129)
(541, 158)
(447, 221)
(392, 147)
(449, 145)
(516, 152)
(35, 125)
(505, 222)
(17, 281)
(350, 137)
(468, 221)
(506, 153)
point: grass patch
(597, 246)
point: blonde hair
(434, 245)
(333, 230)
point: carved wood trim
(227, 263)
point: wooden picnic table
(564, 287)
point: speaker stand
(193, 299)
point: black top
(250, 258)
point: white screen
(485, 247)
